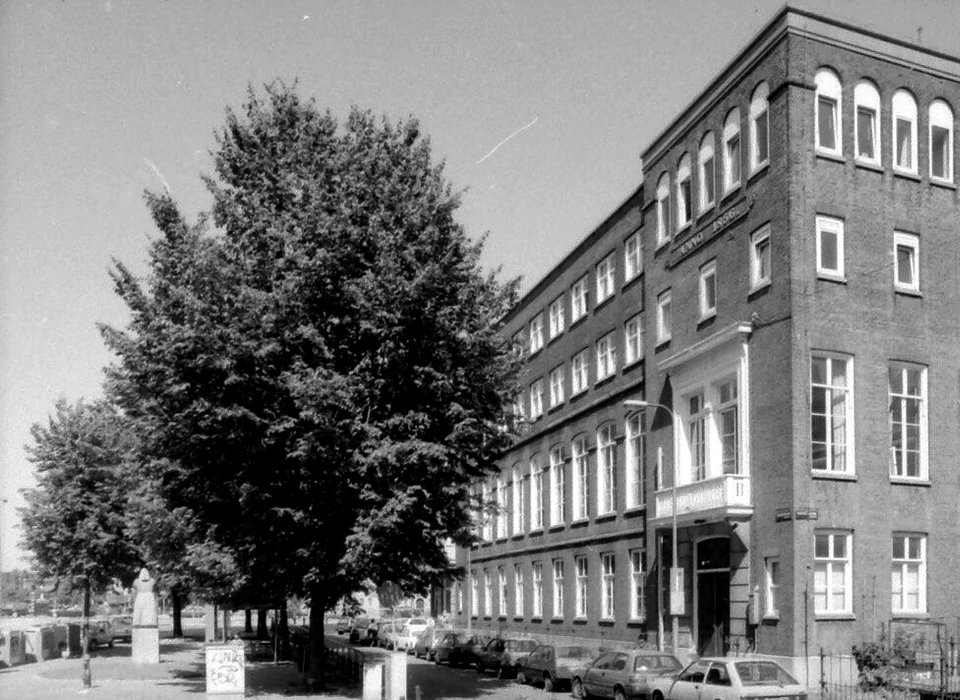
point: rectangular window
(536, 399)
(831, 413)
(556, 386)
(458, 590)
(663, 317)
(832, 573)
(908, 583)
(536, 494)
(606, 471)
(517, 590)
(487, 593)
(502, 599)
(771, 570)
(637, 608)
(558, 510)
(518, 505)
(556, 317)
(906, 261)
(606, 357)
(866, 133)
(578, 299)
(908, 421)
(697, 437)
(733, 161)
(728, 427)
(605, 280)
(663, 218)
(581, 590)
(707, 181)
(940, 152)
(636, 460)
(760, 258)
(607, 585)
(827, 124)
(558, 589)
(708, 290)
(829, 247)
(761, 134)
(501, 507)
(633, 340)
(536, 334)
(485, 516)
(578, 373)
(904, 140)
(581, 473)
(537, 589)
(632, 260)
(474, 595)
(684, 202)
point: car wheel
(577, 689)
(110, 644)
(618, 694)
(657, 695)
(548, 685)
(501, 672)
(479, 667)
(521, 676)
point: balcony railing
(716, 498)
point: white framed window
(487, 519)
(904, 132)
(908, 580)
(556, 386)
(578, 299)
(608, 585)
(517, 590)
(556, 317)
(831, 413)
(663, 317)
(519, 507)
(829, 131)
(606, 357)
(606, 470)
(475, 595)
(771, 587)
(710, 429)
(487, 593)
(537, 589)
(697, 436)
(866, 123)
(519, 408)
(830, 247)
(706, 167)
(728, 425)
(731, 151)
(536, 333)
(637, 608)
(760, 258)
(906, 261)
(536, 399)
(458, 591)
(558, 589)
(907, 389)
(558, 506)
(502, 598)
(684, 192)
(832, 572)
(941, 141)
(605, 278)
(633, 340)
(759, 128)
(636, 460)
(501, 508)
(632, 257)
(708, 290)
(581, 587)
(581, 479)
(578, 373)
(663, 210)
(536, 493)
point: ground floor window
(833, 573)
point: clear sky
(101, 100)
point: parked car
(427, 642)
(343, 625)
(416, 625)
(466, 650)
(632, 674)
(554, 665)
(122, 626)
(504, 655)
(733, 679)
(360, 630)
(100, 634)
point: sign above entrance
(702, 236)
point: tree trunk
(247, 621)
(318, 679)
(177, 601)
(85, 637)
(262, 632)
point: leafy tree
(323, 373)
(73, 522)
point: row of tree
(312, 377)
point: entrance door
(713, 596)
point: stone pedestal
(146, 645)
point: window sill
(834, 617)
(707, 317)
(906, 481)
(831, 277)
(661, 344)
(633, 510)
(553, 338)
(906, 174)
(557, 527)
(606, 516)
(603, 380)
(758, 169)
(603, 302)
(536, 531)
(535, 352)
(730, 193)
(556, 619)
(832, 476)
(580, 620)
(631, 363)
(834, 156)
(681, 228)
(760, 287)
(555, 407)
(518, 536)
(905, 291)
(868, 165)
(575, 394)
(772, 617)
(501, 540)
(629, 281)
(578, 319)
(912, 615)
(518, 618)
(579, 522)
(661, 244)
(536, 618)
(940, 182)
(606, 621)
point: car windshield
(521, 644)
(418, 621)
(763, 673)
(573, 653)
(361, 622)
(661, 663)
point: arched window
(904, 131)
(759, 128)
(941, 140)
(684, 203)
(866, 124)
(663, 209)
(827, 111)
(707, 168)
(731, 151)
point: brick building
(753, 366)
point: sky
(538, 109)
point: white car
(733, 679)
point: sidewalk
(179, 675)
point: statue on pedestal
(145, 604)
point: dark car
(122, 627)
(360, 630)
(504, 655)
(624, 675)
(343, 625)
(466, 651)
(452, 648)
(428, 641)
(555, 665)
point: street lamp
(676, 573)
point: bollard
(396, 677)
(373, 681)
(418, 693)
